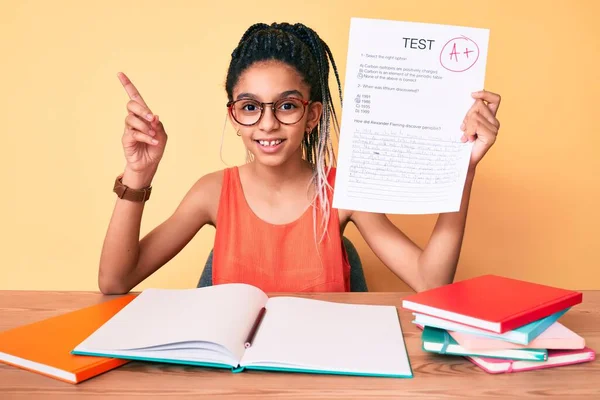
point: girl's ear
(314, 114)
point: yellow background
(534, 207)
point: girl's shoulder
(203, 197)
(211, 181)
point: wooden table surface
(435, 376)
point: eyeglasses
(248, 112)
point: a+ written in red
(459, 54)
(454, 53)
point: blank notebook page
(328, 336)
(219, 314)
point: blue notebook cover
(522, 335)
(439, 341)
(237, 369)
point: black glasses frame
(230, 105)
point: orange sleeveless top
(276, 258)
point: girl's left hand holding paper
(481, 125)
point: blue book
(238, 327)
(521, 335)
(439, 341)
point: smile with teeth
(269, 142)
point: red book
(494, 303)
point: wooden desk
(434, 376)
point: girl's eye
(249, 106)
(287, 106)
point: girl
(275, 227)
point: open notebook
(209, 327)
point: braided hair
(301, 48)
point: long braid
(300, 47)
(323, 151)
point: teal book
(439, 341)
(522, 335)
(238, 327)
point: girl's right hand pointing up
(144, 138)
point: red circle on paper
(461, 45)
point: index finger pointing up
(131, 89)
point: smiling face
(274, 139)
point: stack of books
(500, 324)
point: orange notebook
(45, 346)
